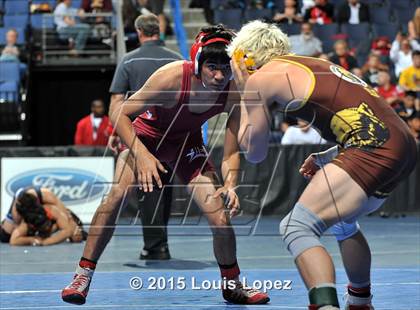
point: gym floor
(32, 277)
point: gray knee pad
(301, 230)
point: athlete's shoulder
(170, 75)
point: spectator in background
(414, 124)
(303, 133)
(322, 13)
(400, 53)
(207, 10)
(96, 6)
(414, 26)
(156, 7)
(95, 128)
(353, 12)
(371, 69)
(69, 29)
(101, 25)
(410, 77)
(289, 15)
(387, 90)
(131, 74)
(11, 51)
(342, 57)
(306, 43)
(409, 105)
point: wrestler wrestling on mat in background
(38, 217)
(375, 152)
(173, 105)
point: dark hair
(410, 93)
(215, 51)
(415, 53)
(147, 24)
(31, 210)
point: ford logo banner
(71, 186)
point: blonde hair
(260, 41)
(416, 22)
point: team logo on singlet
(195, 152)
(359, 127)
(351, 78)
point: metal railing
(97, 46)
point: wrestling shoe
(244, 295)
(161, 253)
(76, 292)
(357, 303)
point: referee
(132, 72)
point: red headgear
(198, 45)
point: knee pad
(343, 230)
(301, 230)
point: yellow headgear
(249, 62)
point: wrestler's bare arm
(231, 157)
(66, 228)
(285, 84)
(160, 89)
(163, 89)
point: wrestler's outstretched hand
(148, 167)
(230, 200)
(309, 168)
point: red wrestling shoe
(245, 296)
(76, 292)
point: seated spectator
(414, 124)
(410, 77)
(11, 51)
(290, 14)
(342, 57)
(353, 12)
(306, 43)
(387, 90)
(381, 46)
(322, 13)
(414, 26)
(101, 25)
(409, 105)
(400, 53)
(95, 128)
(371, 69)
(38, 217)
(69, 29)
(301, 134)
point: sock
(356, 291)
(324, 294)
(230, 272)
(87, 263)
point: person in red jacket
(95, 128)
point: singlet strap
(186, 82)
